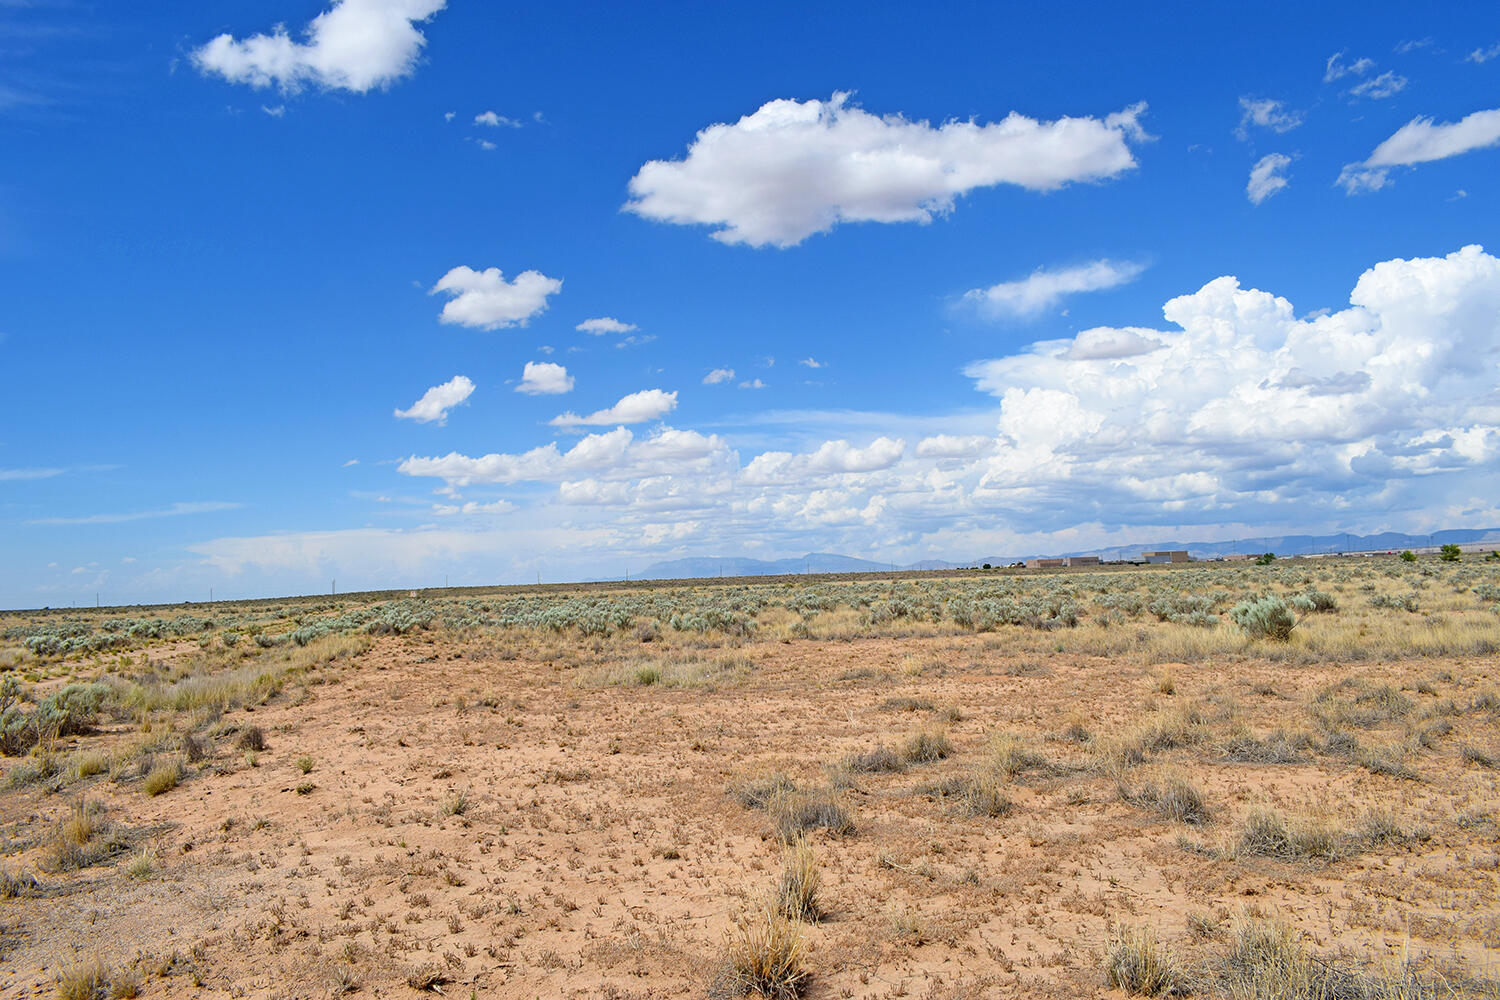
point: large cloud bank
(1236, 410)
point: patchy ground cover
(1228, 780)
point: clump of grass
(252, 739)
(1010, 756)
(86, 765)
(882, 759)
(1265, 833)
(981, 793)
(82, 838)
(797, 891)
(689, 671)
(33, 770)
(907, 704)
(1381, 827)
(17, 884)
(1475, 755)
(1141, 965)
(426, 976)
(163, 777)
(907, 924)
(766, 956)
(456, 804)
(1279, 747)
(305, 764)
(305, 787)
(1175, 799)
(1267, 962)
(756, 792)
(795, 812)
(143, 865)
(925, 746)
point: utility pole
(333, 586)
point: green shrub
(1265, 618)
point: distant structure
(1062, 562)
(1168, 556)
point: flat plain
(1223, 779)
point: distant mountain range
(1282, 545)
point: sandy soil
(599, 854)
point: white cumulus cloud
(1422, 141)
(484, 299)
(435, 403)
(1266, 177)
(544, 378)
(605, 324)
(1043, 288)
(792, 169)
(356, 45)
(1268, 114)
(636, 408)
(495, 120)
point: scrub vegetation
(1254, 779)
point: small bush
(305, 764)
(1176, 799)
(766, 956)
(1264, 618)
(1140, 965)
(793, 813)
(252, 739)
(926, 746)
(880, 760)
(1267, 834)
(1450, 553)
(163, 778)
(757, 792)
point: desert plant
(1176, 799)
(1450, 553)
(1264, 618)
(797, 891)
(925, 746)
(163, 777)
(794, 812)
(1408, 555)
(1141, 965)
(1267, 834)
(766, 956)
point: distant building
(1045, 563)
(1081, 561)
(1169, 556)
(1238, 557)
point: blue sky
(393, 291)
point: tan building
(1167, 556)
(1081, 561)
(1046, 563)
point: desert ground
(1212, 779)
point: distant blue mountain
(1282, 545)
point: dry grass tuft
(795, 812)
(766, 956)
(925, 746)
(1141, 965)
(1175, 798)
(1265, 833)
(797, 892)
(163, 777)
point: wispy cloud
(176, 510)
(1043, 288)
(9, 475)
(1266, 177)
(1422, 141)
